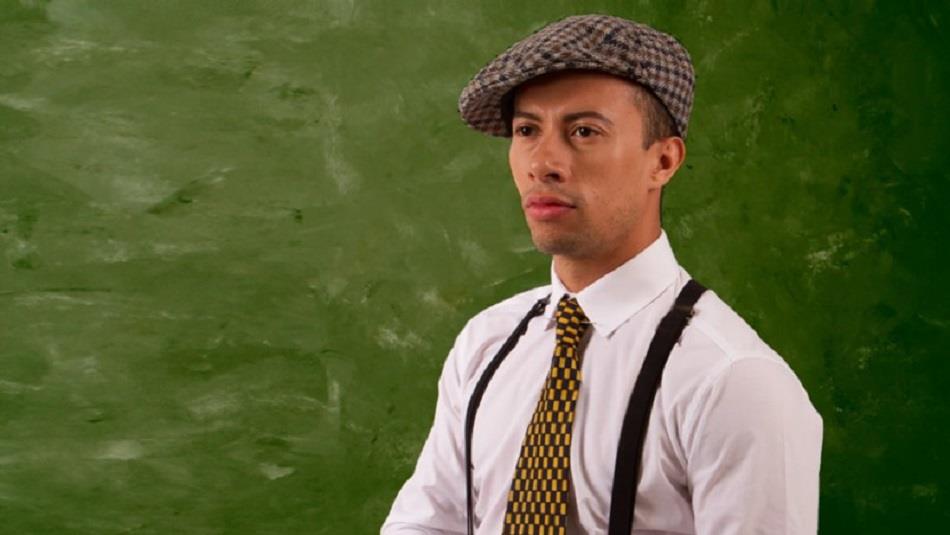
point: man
(597, 110)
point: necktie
(537, 501)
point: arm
(432, 501)
(754, 453)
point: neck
(577, 273)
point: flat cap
(603, 43)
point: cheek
(624, 173)
(517, 167)
(612, 194)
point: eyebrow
(569, 117)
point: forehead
(568, 90)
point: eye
(584, 131)
(524, 130)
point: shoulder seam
(700, 323)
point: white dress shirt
(733, 444)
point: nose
(548, 159)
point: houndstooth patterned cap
(597, 42)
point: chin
(561, 245)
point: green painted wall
(238, 238)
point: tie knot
(571, 321)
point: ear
(668, 155)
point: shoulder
(719, 331)
(715, 338)
(489, 328)
(511, 309)
(720, 356)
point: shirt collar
(615, 297)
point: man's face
(578, 162)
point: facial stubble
(557, 239)
(579, 239)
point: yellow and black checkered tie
(537, 501)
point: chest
(609, 367)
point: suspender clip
(686, 310)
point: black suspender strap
(622, 501)
(630, 448)
(479, 391)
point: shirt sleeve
(432, 500)
(754, 456)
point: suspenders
(623, 496)
(479, 391)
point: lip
(546, 207)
